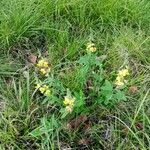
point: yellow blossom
(38, 86)
(40, 63)
(91, 47)
(123, 72)
(47, 93)
(46, 87)
(45, 64)
(120, 78)
(120, 81)
(68, 109)
(47, 71)
(43, 71)
(42, 89)
(43, 67)
(69, 101)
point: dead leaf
(133, 89)
(45, 53)
(125, 131)
(84, 142)
(64, 146)
(32, 58)
(139, 126)
(75, 123)
(87, 126)
(89, 84)
(8, 81)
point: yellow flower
(45, 64)
(120, 81)
(69, 101)
(120, 78)
(47, 71)
(37, 86)
(43, 67)
(40, 63)
(68, 109)
(46, 87)
(91, 47)
(123, 72)
(43, 71)
(47, 93)
(42, 89)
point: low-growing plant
(94, 88)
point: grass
(120, 31)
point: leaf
(82, 74)
(107, 86)
(96, 62)
(36, 132)
(45, 53)
(63, 112)
(79, 102)
(46, 127)
(88, 84)
(139, 126)
(87, 126)
(120, 95)
(54, 122)
(84, 141)
(75, 123)
(107, 92)
(97, 77)
(133, 89)
(32, 58)
(84, 59)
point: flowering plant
(93, 86)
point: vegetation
(74, 74)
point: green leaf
(107, 92)
(64, 113)
(79, 102)
(36, 132)
(83, 73)
(107, 86)
(46, 127)
(84, 59)
(120, 96)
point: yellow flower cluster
(43, 67)
(44, 89)
(120, 77)
(69, 103)
(91, 47)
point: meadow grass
(120, 31)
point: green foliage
(47, 127)
(89, 68)
(47, 131)
(111, 96)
